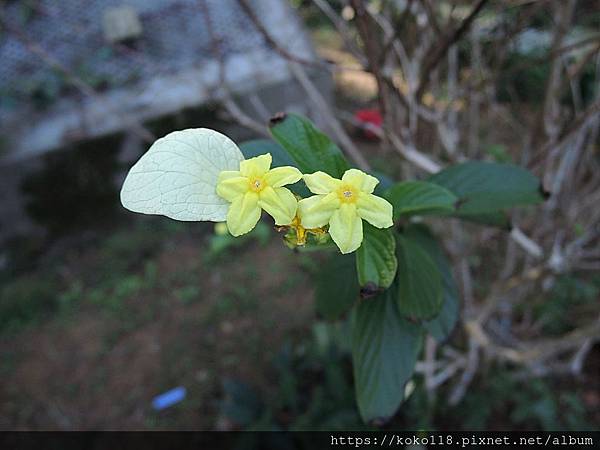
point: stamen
(347, 194)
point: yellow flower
(297, 234)
(254, 187)
(343, 204)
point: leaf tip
(277, 118)
(369, 290)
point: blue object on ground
(169, 398)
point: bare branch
(333, 123)
(272, 42)
(342, 28)
(228, 102)
(440, 49)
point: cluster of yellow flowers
(341, 205)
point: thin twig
(272, 42)
(227, 99)
(440, 50)
(342, 29)
(313, 93)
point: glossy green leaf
(337, 286)
(442, 325)
(311, 149)
(257, 147)
(420, 197)
(419, 281)
(376, 261)
(385, 347)
(484, 187)
(177, 176)
(498, 219)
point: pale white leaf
(177, 176)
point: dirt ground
(194, 324)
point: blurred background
(102, 310)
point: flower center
(257, 184)
(347, 194)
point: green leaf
(311, 149)
(420, 197)
(419, 281)
(178, 175)
(376, 261)
(257, 147)
(337, 287)
(441, 326)
(484, 187)
(498, 219)
(385, 347)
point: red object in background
(369, 116)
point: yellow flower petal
(360, 180)
(345, 228)
(232, 187)
(227, 174)
(321, 183)
(316, 211)
(257, 166)
(243, 214)
(279, 203)
(280, 176)
(375, 210)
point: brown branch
(272, 42)
(283, 52)
(372, 52)
(575, 71)
(228, 102)
(342, 29)
(568, 133)
(536, 60)
(546, 120)
(438, 52)
(431, 17)
(315, 96)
